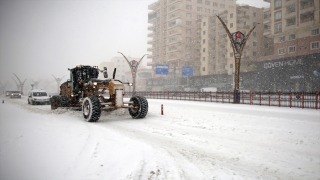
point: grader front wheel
(91, 109)
(139, 107)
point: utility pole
(134, 67)
(238, 41)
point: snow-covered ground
(192, 140)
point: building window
(277, 15)
(203, 32)
(203, 68)
(188, 23)
(291, 21)
(254, 34)
(188, 15)
(266, 45)
(215, 4)
(254, 43)
(199, 16)
(230, 7)
(204, 41)
(204, 50)
(222, 6)
(231, 25)
(306, 3)
(188, 31)
(189, 7)
(188, 39)
(231, 15)
(207, 2)
(305, 17)
(315, 45)
(203, 58)
(208, 11)
(254, 53)
(291, 49)
(231, 65)
(278, 27)
(199, 9)
(281, 38)
(292, 36)
(231, 54)
(315, 32)
(277, 3)
(254, 14)
(291, 8)
(204, 24)
(199, 1)
(281, 51)
(188, 47)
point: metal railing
(280, 99)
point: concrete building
(294, 26)
(122, 67)
(175, 31)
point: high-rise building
(293, 25)
(175, 31)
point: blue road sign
(187, 71)
(162, 69)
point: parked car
(38, 97)
(15, 94)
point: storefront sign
(279, 64)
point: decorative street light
(58, 81)
(21, 84)
(238, 41)
(134, 67)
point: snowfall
(191, 140)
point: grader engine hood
(117, 89)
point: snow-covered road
(192, 140)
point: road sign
(162, 69)
(187, 71)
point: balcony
(152, 27)
(153, 6)
(149, 49)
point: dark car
(8, 93)
(15, 94)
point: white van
(38, 96)
(209, 89)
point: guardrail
(280, 99)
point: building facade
(175, 31)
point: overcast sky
(43, 37)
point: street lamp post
(238, 41)
(134, 67)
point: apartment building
(217, 56)
(294, 27)
(175, 32)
